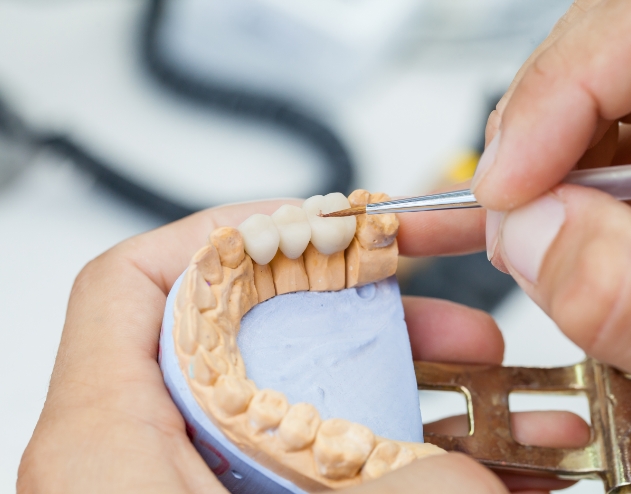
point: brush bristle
(345, 212)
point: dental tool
(614, 180)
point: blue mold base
(347, 352)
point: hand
(109, 425)
(568, 248)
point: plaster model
(293, 250)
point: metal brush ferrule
(459, 199)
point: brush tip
(344, 212)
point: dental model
(293, 250)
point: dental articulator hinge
(487, 388)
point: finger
(556, 108)
(602, 153)
(164, 253)
(524, 484)
(493, 221)
(623, 152)
(576, 11)
(135, 278)
(444, 474)
(552, 429)
(570, 250)
(548, 429)
(107, 385)
(435, 233)
(444, 331)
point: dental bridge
(296, 250)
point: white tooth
(294, 229)
(260, 237)
(329, 235)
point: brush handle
(614, 180)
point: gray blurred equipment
(16, 148)
(307, 53)
(315, 53)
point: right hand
(568, 247)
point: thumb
(570, 250)
(452, 473)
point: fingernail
(486, 160)
(528, 232)
(493, 220)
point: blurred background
(117, 116)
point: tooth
(261, 237)
(207, 367)
(195, 289)
(386, 457)
(187, 330)
(207, 335)
(294, 229)
(243, 295)
(229, 245)
(220, 321)
(209, 264)
(341, 448)
(195, 329)
(329, 235)
(298, 428)
(233, 394)
(376, 230)
(267, 409)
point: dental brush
(614, 180)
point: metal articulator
(486, 388)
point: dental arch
(291, 250)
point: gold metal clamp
(487, 387)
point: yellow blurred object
(462, 166)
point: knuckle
(95, 271)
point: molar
(207, 367)
(261, 237)
(229, 245)
(298, 428)
(374, 231)
(329, 235)
(341, 448)
(386, 457)
(267, 409)
(294, 229)
(233, 394)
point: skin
(570, 107)
(108, 424)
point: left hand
(109, 425)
